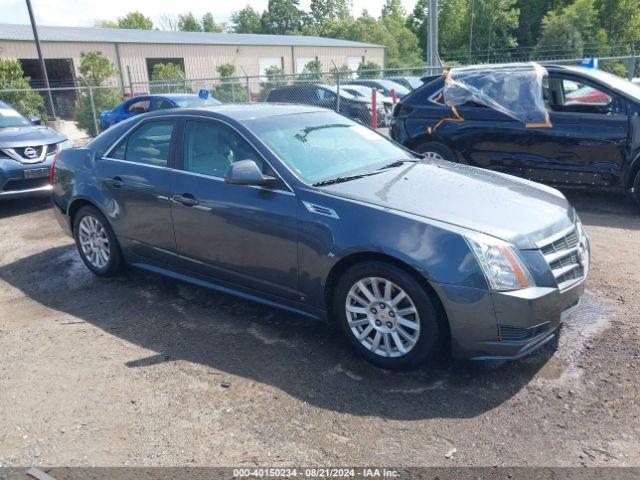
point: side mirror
(246, 172)
(36, 120)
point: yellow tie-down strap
(455, 118)
(546, 124)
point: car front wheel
(96, 242)
(436, 151)
(636, 189)
(386, 315)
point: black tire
(636, 189)
(437, 149)
(428, 338)
(115, 261)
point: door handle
(116, 182)
(185, 199)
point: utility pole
(432, 52)
(473, 14)
(52, 109)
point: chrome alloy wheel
(432, 156)
(382, 317)
(94, 241)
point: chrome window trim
(211, 119)
(221, 179)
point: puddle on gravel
(590, 319)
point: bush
(29, 103)
(229, 89)
(368, 70)
(168, 78)
(275, 79)
(95, 70)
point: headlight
(500, 262)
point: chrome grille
(562, 253)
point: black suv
(593, 141)
(325, 96)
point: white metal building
(135, 52)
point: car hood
(29, 136)
(500, 205)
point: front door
(239, 234)
(136, 176)
(588, 137)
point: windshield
(359, 91)
(617, 83)
(10, 118)
(389, 85)
(343, 93)
(189, 102)
(322, 146)
(415, 82)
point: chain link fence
(366, 96)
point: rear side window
(209, 148)
(149, 144)
(141, 106)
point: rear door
(588, 138)
(243, 235)
(136, 177)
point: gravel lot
(143, 370)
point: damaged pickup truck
(560, 125)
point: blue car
(27, 150)
(150, 103)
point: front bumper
(505, 325)
(17, 180)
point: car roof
(243, 111)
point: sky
(83, 13)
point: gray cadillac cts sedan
(301, 208)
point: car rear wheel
(96, 242)
(436, 151)
(386, 315)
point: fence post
(246, 79)
(632, 67)
(374, 109)
(338, 91)
(93, 111)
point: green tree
(325, 15)
(620, 18)
(187, 22)
(28, 102)
(312, 71)
(453, 38)
(135, 21)
(246, 20)
(559, 37)
(106, 24)
(404, 50)
(209, 24)
(275, 78)
(282, 17)
(531, 15)
(494, 29)
(168, 78)
(229, 89)
(95, 70)
(368, 70)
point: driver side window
(209, 149)
(570, 96)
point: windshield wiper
(332, 181)
(398, 163)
